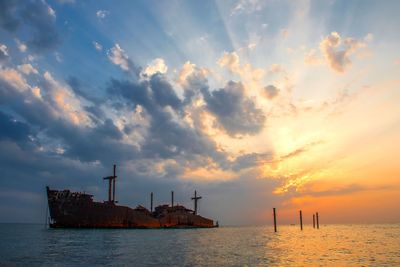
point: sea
(331, 245)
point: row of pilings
(315, 220)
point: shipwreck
(79, 210)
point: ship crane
(111, 186)
(195, 198)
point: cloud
(338, 59)
(187, 69)
(275, 68)
(168, 135)
(300, 150)
(65, 123)
(64, 101)
(21, 46)
(13, 78)
(193, 80)
(41, 18)
(97, 46)
(247, 6)
(250, 160)
(27, 69)
(236, 113)
(311, 58)
(270, 91)
(163, 92)
(230, 61)
(156, 66)
(3, 52)
(38, 16)
(58, 57)
(336, 52)
(101, 14)
(78, 88)
(118, 57)
(247, 72)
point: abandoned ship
(78, 210)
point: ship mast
(151, 202)
(195, 198)
(111, 186)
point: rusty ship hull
(78, 210)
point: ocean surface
(331, 245)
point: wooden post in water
(301, 221)
(317, 221)
(274, 219)
(151, 202)
(313, 220)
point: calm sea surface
(332, 245)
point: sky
(254, 104)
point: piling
(274, 219)
(317, 221)
(313, 220)
(301, 221)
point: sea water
(331, 245)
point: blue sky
(253, 103)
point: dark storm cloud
(195, 83)
(136, 94)
(25, 105)
(155, 93)
(163, 92)
(166, 137)
(95, 113)
(99, 143)
(236, 113)
(37, 16)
